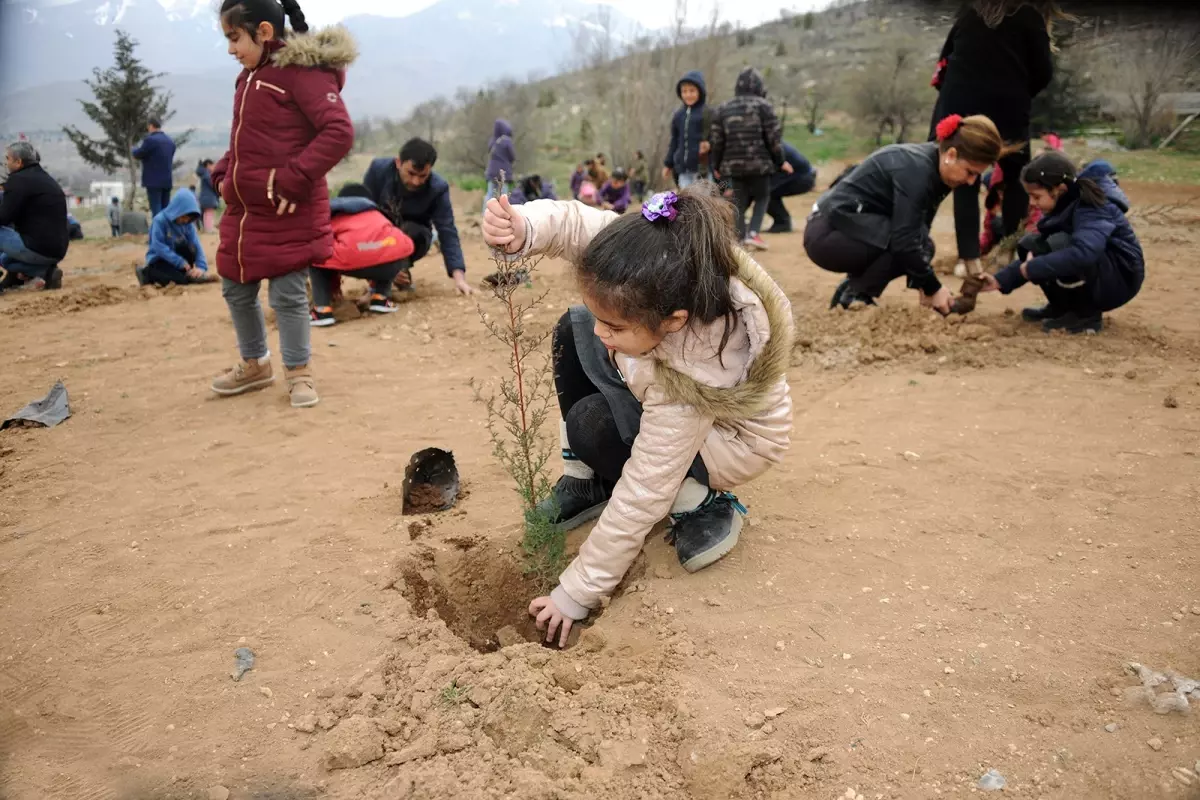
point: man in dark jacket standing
(747, 148)
(417, 201)
(687, 153)
(33, 221)
(157, 154)
(801, 180)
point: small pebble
(266, 692)
(218, 793)
(905, 717)
(1154, 744)
(845, 656)
(1196, 610)
(1111, 727)
(170, 728)
(927, 693)
(773, 713)
(1170, 402)
(780, 645)
(134, 545)
(1177, 616)
(949, 670)
(755, 720)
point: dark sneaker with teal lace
(705, 535)
(1075, 322)
(1041, 313)
(575, 501)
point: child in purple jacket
(502, 155)
(614, 194)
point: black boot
(1041, 313)
(846, 296)
(780, 227)
(575, 501)
(705, 535)
(1076, 322)
(54, 279)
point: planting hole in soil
(483, 597)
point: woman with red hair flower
(873, 225)
(996, 59)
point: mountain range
(48, 47)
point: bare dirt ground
(978, 527)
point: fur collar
(330, 48)
(749, 398)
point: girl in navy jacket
(1085, 256)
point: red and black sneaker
(381, 304)
(322, 317)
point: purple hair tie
(661, 206)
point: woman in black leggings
(996, 59)
(873, 225)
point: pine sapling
(519, 408)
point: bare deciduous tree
(1151, 64)
(889, 94)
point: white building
(102, 192)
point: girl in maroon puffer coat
(290, 128)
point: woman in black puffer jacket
(996, 59)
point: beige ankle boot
(301, 386)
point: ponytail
(1053, 169)
(295, 15)
(249, 14)
(974, 138)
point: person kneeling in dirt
(365, 245)
(33, 223)
(800, 180)
(1085, 256)
(175, 254)
(873, 226)
(417, 201)
(671, 381)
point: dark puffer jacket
(1104, 251)
(747, 139)
(689, 127)
(290, 127)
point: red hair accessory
(938, 72)
(948, 127)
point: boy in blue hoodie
(1085, 256)
(175, 254)
(687, 154)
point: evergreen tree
(125, 100)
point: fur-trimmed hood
(766, 316)
(330, 48)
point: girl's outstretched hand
(503, 225)
(550, 619)
(990, 284)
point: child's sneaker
(54, 279)
(574, 502)
(1074, 322)
(301, 386)
(245, 377)
(322, 317)
(757, 242)
(381, 305)
(704, 535)
(140, 272)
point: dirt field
(977, 529)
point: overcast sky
(649, 13)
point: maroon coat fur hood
(290, 127)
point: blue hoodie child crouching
(1085, 256)
(175, 254)
(690, 125)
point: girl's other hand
(503, 225)
(550, 619)
(990, 284)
